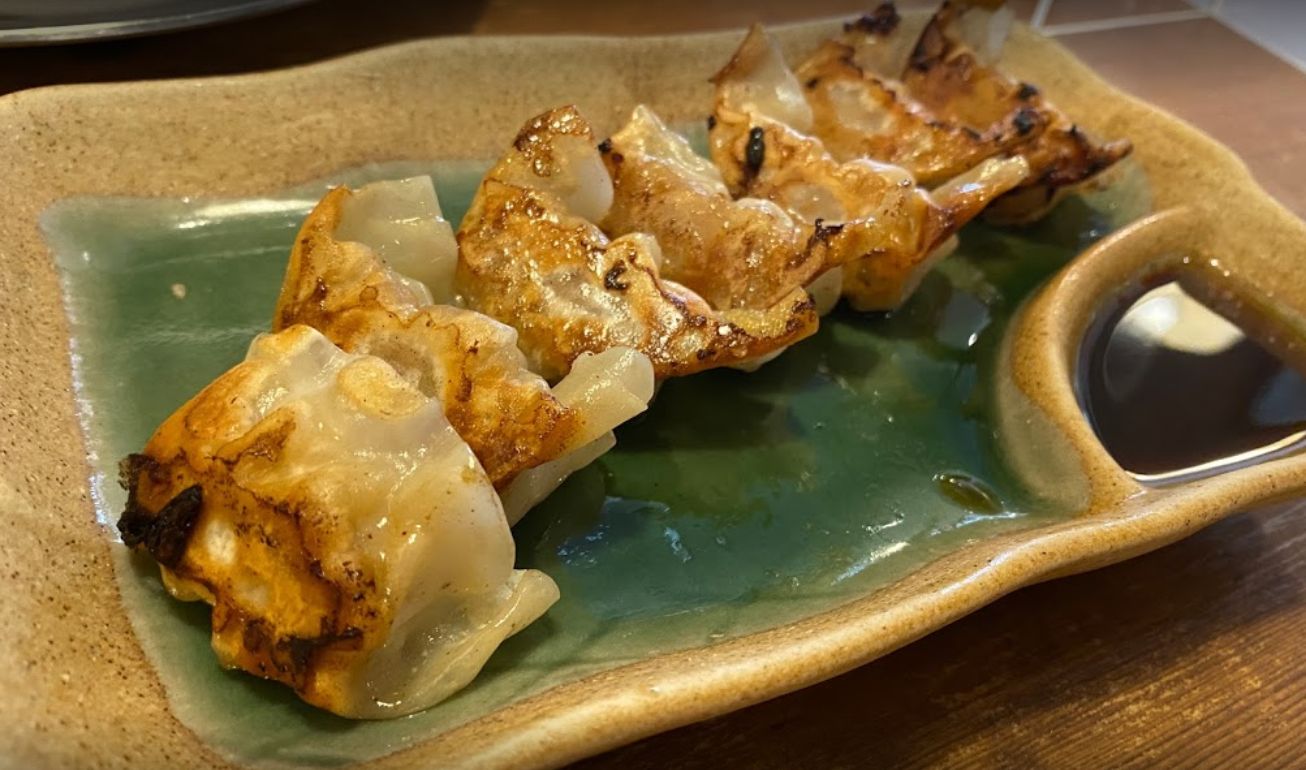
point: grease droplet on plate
(968, 492)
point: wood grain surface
(1187, 657)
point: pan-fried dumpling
(748, 253)
(937, 106)
(532, 256)
(402, 223)
(898, 228)
(857, 114)
(950, 74)
(349, 541)
(363, 271)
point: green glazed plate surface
(738, 502)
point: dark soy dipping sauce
(1176, 391)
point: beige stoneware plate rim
(246, 134)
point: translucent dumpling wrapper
(350, 543)
(531, 256)
(897, 228)
(364, 271)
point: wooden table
(1190, 656)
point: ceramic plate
(750, 535)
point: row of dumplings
(343, 498)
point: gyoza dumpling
(950, 74)
(938, 106)
(532, 257)
(349, 541)
(748, 253)
(898, 228)
(364, 270)
(857, 114)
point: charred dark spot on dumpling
(1027, 91)
(268, 539)
(1025, 121)
(711, 122)
(316, 300)
(612, 279)
(256, 636)
(532, 141)
(132, 467)
(882, 21)
(605, 146)
(299, 651)
(929, 49)
(755, 150)
(820, 237)
(823, 232)
(532, 207)
(812, 83)
(527, 138)
(267, 445)
(847, 57)
(1100, 159)
(166, 533)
